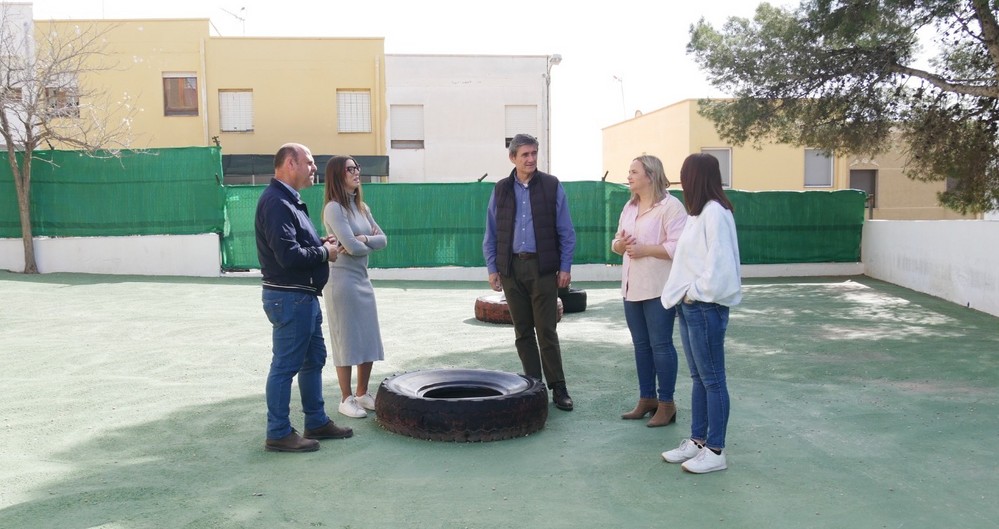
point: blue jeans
(651, 327)
(702, 329)
(298, 348)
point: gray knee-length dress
(355, 337)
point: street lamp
(553, 60)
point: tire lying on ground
(492, 308)
(574, 300)
(462, 405)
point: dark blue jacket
(291, 255)
(543, 190)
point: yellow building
(676, 131)
(250, 95)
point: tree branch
(944, 84)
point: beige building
(440, 118)
(249, 95)
(675, 131)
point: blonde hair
(653, 167)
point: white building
(451, 116)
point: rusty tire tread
(492, 308)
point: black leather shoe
(329, 431)
(291, 443)
(561, 398)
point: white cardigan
(706, 265)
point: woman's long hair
(654, 168)
(336, 191)
(700, 177)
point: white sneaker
(366, 401)
(687, 450)
(706, 461)
(351, 408)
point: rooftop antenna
(239, 17)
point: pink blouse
(644, 278)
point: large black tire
(573, 300)
(462, 405)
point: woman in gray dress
(355, 339)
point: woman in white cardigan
(703, 283)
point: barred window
(353, 110)
(236, 110)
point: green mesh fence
(799, 226)
(442, 224)
(154, 192)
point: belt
(525, 255)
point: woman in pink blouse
(647, 232)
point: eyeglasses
(354, 169)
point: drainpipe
(204, 95)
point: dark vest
(543, 189)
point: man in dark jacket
(293, 262)
(528, 249)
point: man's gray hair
(521, 140)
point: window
(952, 184)
(236, 110)
(62, 102)
(724, 163)
(180, 94)
(818, 168)
(353, 111)
(865, 180)
(521, 119)
(11, 95)
(407, 127)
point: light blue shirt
(294, 192)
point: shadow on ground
(855, 404)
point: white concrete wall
(148, 255)
(602, 272)
(464, 100)
(952, 259)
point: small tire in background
(492, 308)
(462, 405)
(573, 300)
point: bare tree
(50, 95)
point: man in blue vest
(528, 249)
(293, 262)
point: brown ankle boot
(665, 414)
(644, 406)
